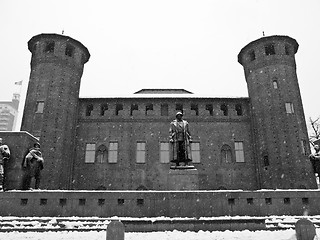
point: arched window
(226, 154)
(102, 154)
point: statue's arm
(171, 133)
(188, 132)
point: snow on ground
(172, 235)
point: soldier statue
(180, 139)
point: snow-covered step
(41, 224)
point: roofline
(172, 90)
(268, 38)
(57, 36)
(163, 97)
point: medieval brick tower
(51, 106)
(279, 129)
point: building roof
(162, 96)
(163, 91)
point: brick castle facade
(121, 143)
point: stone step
(42, 224)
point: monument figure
(180, 139)
(4, 157)
(32, 165)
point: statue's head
(179, 115)
(316, 147)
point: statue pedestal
(181, 178)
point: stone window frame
(113, 152)
(141, 152)
(275, 83)
(89, 109)
(270, 49)
(49, 47)
(164, 152)
(134, 107)
(226, 154)
(90, 152)
(102, 154)
(149, 107)
(195, 151)
(239, 151)
(103, 108)
(224, 109)
(289, 107)
(39, 106)
(304, 147)
(239, 109)
(209, 108)
(118, 108)
(252, 55)
(70, 50)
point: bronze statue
(32, 165)
(180, 139)
(4, 157)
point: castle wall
(193, 204)
(121, 143)
(211, 131)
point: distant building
(9, 113)
(121, 143)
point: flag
(18, 83)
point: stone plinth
(183, 179)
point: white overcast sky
(135, 44)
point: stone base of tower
(183, 179)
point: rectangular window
(141, 152)
(239, 151)
(69, 50)
(164, 152)
(269, 49)
(304, 147)
(195, 152)
(103, 109)
(89, 109)
(40, 107)
(90, 153)
(119, 107)
(275, 84)
(49, 48)
(252, 55)
(194, 107)
(134, 107)
(289, 107)
(209, 108)
(113, 152)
